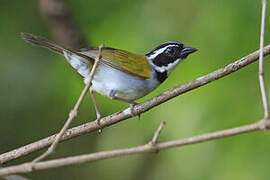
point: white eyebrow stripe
(159, 51)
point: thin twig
(140, 108)
(261, 74)
(146, 148)
(157, 133)
(74, 111)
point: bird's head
(167, 56)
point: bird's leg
(131, 103)
(92, 92)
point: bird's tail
(78, 61)
(42, 42)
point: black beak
(187, 51)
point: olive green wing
(131, 63)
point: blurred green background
(38, 89)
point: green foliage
(39, 88)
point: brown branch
(261, 78)
(74, 111)
(63, 27)
(65, 31)
(146, 148)
(157, 133)
(138, 109)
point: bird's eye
(169, 51)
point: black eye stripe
(165, 53)
(162, 60)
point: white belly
(107, 79)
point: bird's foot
(133, 113)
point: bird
(120, 74)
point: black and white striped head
(166, 56)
